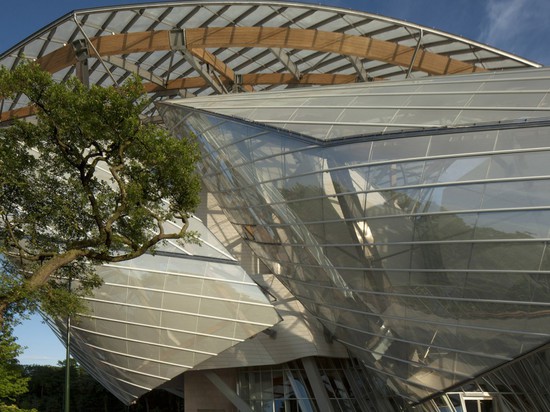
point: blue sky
(517, 26)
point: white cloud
(505, 20)
(518, 26)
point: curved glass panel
(425, 254)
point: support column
(230, 394)
(82, 69)
(314, 377)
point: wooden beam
(197, 40)
(181, 83)
(116, 44)
(139, 42)
(345, 44)
(267, 37)
(59, 59)
(248, 80)
(20, 113)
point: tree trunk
(40, 277)
(42, 274)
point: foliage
(12, 383)
(47, 383)
(87, 182)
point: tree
(12, 382)
(46, 386)
(86, 182)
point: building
(378, 243)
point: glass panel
(400, 148)
(519, 165)
(462, 143)
(513, 225)
(372, 115)
(396, 174)
(523, 138)
(506, 256)
(452, 198)
(517, 194)
(423, 117)
(445, 227)
(328, 114)
(456, 170)
(523, 100)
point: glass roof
(381, 107)
(302, 64)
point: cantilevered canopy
(213, 47)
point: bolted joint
(177, 39)
(80, 47)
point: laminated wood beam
(268, 37)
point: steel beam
(284, 58)
(230, 394)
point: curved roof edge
(350, 11)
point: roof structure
(212, 47)
(342, 111)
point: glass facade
(160, 315)
(288, 387)
(424, 252)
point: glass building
(375, 219)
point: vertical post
(68, 362)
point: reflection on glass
(425, 254)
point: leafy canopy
(86, 182)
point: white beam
(358, 66)
(284, 58)
(126, 65)
(177, 43)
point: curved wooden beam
(267, 37)
(345, 44)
